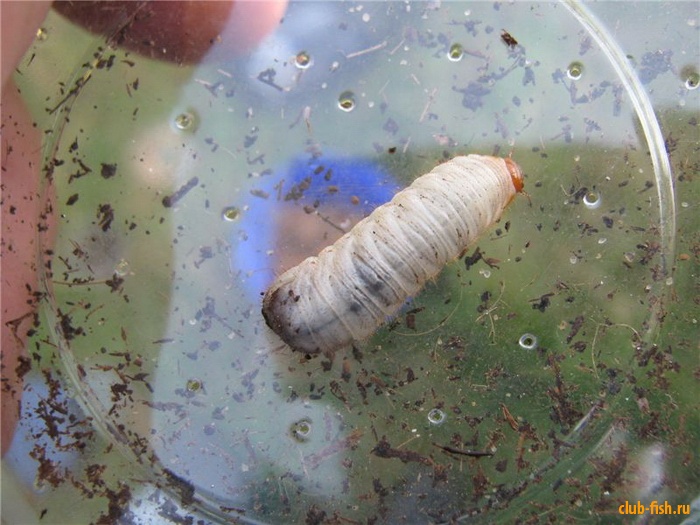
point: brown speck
(542, 302)
(105, 214)
(471, 260)
(259, 193)
(315, 516)
(108, 170)
(576, 325)
(385, 450)
(24, 366)
(508, 39)
(297, 191)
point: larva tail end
(516, 174)
(275, 309)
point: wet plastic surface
(550, 372)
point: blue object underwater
(323, 183)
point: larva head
(516, 174)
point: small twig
(368, 50)
(470, 453)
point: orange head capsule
(516, 174)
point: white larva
(352, 287)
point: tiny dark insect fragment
(508, 39)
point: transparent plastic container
(550, 374)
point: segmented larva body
(352, 287)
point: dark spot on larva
(72, 199)
(355, 308)
(376, 286)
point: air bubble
(230, 213)
(346, 101)
(527, 342)
(302, 60)
(574, 71)
(485, 273)
(591, 200)
(122, 268)
(436, 416)
(692, 80)
(193, 385)
(455, 53)
(185, 121)
(42, 34)
(301, 430)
